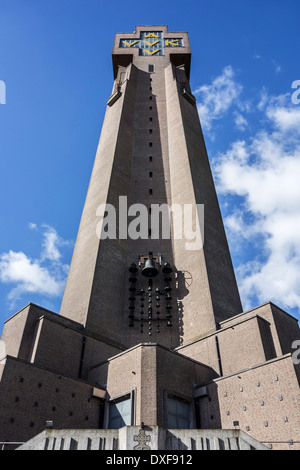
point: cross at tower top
(153, 42)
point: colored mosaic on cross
(151, 43)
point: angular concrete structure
(151, 346)
(151, 151)
(135, 438)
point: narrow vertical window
(178, 413)
(120, 412)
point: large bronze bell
(150, 269)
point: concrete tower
(151, 152)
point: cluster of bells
(149, 309)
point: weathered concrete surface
(147, 438)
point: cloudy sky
(257, 177)
(56, 76)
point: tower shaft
(151, 153)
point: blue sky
(55, 63)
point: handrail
(3, 444)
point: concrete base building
(152, 349)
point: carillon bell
(158, 292)
(133, 268)
(167, 268)
(150, 269)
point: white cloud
(52, 243)
(240, 121)
(285, 119)
(264, 172)
(277, 66)
(28, 274)
(264, 97)
(216, 99)
(43, 276)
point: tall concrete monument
(152, 151)
(151, 349)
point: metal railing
(10, 444)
